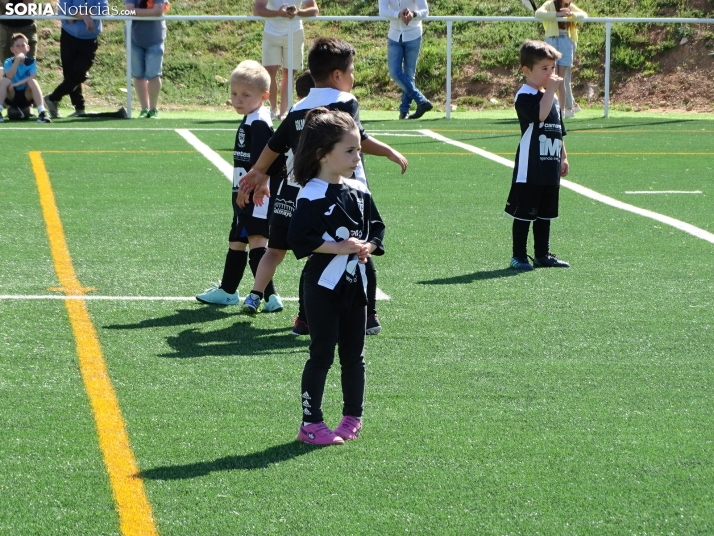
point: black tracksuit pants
(331, 324)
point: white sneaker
(576, 108)
(275, 115)
(568, 112)
(273, 305)
(218, 296)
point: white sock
(40, 108)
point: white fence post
(608, 30)
(449, 27)
(127, 45)
(290, 66)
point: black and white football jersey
(252, 136)
(538, 153)
(331, 213)
(286, 138)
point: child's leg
(323, 312)
(520, 238)
(371, 272)
(351, 351)
(236, 261)
(6, 92)
(257, 250)
(266, 271)
(33, 94)
(541, 238)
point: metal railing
(449, 37)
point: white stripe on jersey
(322, 96)
(524, 154)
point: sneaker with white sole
(550, 261)
(349, 428)
(373, 325)
(576, 108)
(251, 305)
(218, 296)
(300, 327)
(273, 304)
(318, 434)
(567, 113)
(521, 263)
(78, 112)
(44, 118)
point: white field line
(380, 296)
(587, 192)
(663, 192)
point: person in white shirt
(403, 44)
(275, 44)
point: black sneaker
(373, 325)
(300, 327)
(43, 117)
(421, 110)
(403, 115)
(550, 261)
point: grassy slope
(201, 55)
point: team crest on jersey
(241, 137)
(360, 204)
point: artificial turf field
(567, 402)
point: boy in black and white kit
(331, 63)
(250, 225)
(540, 159)
(338, 226)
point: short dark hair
(328, 54)
(17, 36)
(534, 51)
(323, 130)
(303, 84)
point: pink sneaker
(349, 428)
(318, 434)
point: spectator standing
(563, 36)
(78, 48)
(8, 27)
(147, 53)
(275, 44)
(403, 45)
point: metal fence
(449, 35)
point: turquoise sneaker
(273, 305)
(521, 263)
(218, 296)
(251, 305)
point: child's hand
(20, 58)
(364, 253)
(250, 180)
(396, 157)
(351, 245)
(553, 82)
(242, 199)
(564, 167)
(260, 193)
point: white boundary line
(380, 296)
(663, 192)
(587, 192)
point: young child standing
(337, 224)
(540, 159)
(250, 83)
(331, 63)
(19, 87)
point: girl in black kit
(338, 226)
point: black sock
(233, 270)
(371, 271)
(520, 238)
(541, 238)
(259, 294)
(254, 257)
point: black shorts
(530, 202)
(245, 226)
(279, 237)
(19, 100)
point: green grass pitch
(552, 402)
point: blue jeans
(402, 59)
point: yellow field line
(135, 517)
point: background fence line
(608, 21)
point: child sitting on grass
(19, 87)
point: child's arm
(256, 180)
(20, 58)
(344, 247)
(546, 102)
(377, 148)
(564, 165)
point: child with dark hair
(303, 84)
(540, 159)
(338, 226)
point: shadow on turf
(244, 462)
(182, 317)
(470, 278)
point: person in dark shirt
(338, 226)
(250, 83)
(540, 158)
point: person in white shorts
(275, 44)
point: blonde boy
(19, 87)
(248, 237)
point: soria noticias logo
(24, 10)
